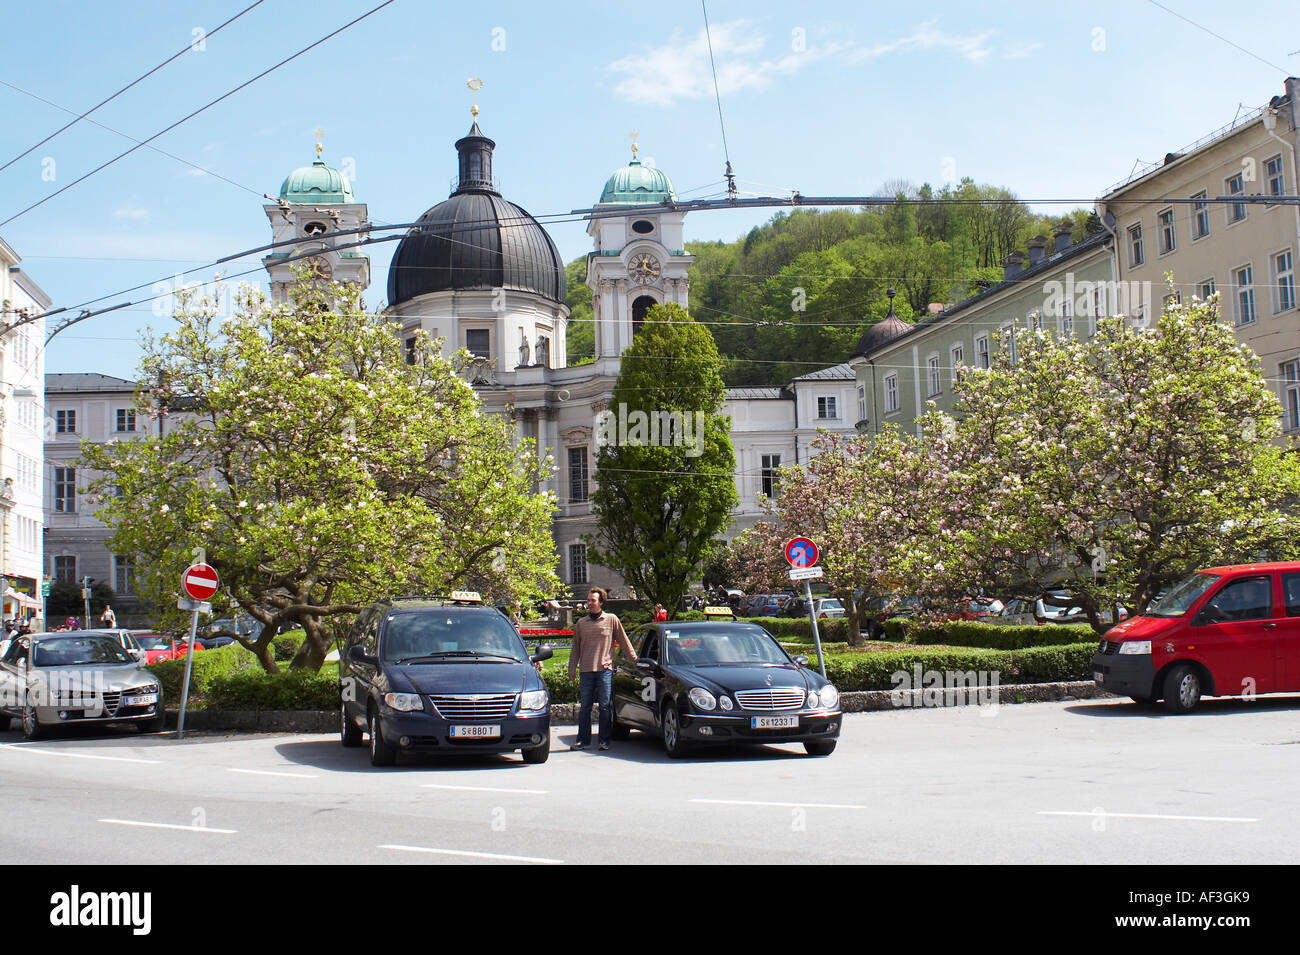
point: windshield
(450, 632)
(71, 651)
(1180, 597)
(735, 645)
(153, 641)
(832, 604)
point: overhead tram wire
(134, 82)
(196, 112)
(726, 153)
(1282, 69)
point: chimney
(1062, 236)
(1012, 266)
(1037, 248)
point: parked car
(165, 646)
(64, 679)
(1223, 631)
(722, 682)
(882, 608)
(441, 675)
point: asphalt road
(1086, 782)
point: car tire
(538, 754)
(820, 747)
(1182, 688)
(672, 732)
(32, 728)
(382, 752)
(349, 731)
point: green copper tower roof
(317, 184)
(637, 184)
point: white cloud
(131, 212)
(679, 69)
(1021, 52)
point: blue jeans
(588, 684)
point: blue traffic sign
(801, 552)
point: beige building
(1243, 250)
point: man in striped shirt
(592, 655)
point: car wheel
(820, 747)
(381, 752)
(538, 754)
(672, 730)
(349, 731)
(1182, 688)
(32, 728)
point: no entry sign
(801, 552)
(199, 581)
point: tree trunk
(854, 618)
(262, 648)
(311, 652)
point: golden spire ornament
(319, 134)
(475, 84)
(634, 134)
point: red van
(1225, 631)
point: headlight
(534, 700)
(830, 695)
(404, 702)
(1135, 646)
(813, 700)
(725, 702)
(702, 698)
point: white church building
(482, 274)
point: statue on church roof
(523, 348)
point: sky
(1053, 101)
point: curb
(566, 714)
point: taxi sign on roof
(469, 596)
(718, 612)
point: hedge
(287, 690)
(208, 665)
(874, 671)
(966, 633)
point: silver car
(63, 679)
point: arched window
(640, 306)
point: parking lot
(1084, 782)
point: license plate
(773, 722)
(142, 700)
(1098, 676)
(475, 732)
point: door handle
(1270, 626)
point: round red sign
(199, 581)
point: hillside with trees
(797, 293)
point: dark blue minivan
(443, 676)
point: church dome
(476, 240)
(317, 183)
(883, 332)
(637, 184)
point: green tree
(664, 492)
(580, 332)
(317, 469)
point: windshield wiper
(455, 653)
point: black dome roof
(476, 240)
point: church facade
(480, 273)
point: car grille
(771, 698)
(112, 700)
(473, 706)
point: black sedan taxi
(722, 682)
(442, 675)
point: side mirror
(1200, 620)
(801, 660)
(545, 653)
(646, 663)
(357, 654)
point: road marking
(50, 752)
(167, 825)
(1149, 815)
(487, 789)
(267, 772)
(473, 855)
(784, 805)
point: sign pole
(189, 664)
(812, 616)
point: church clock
(644, 268)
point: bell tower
(639, 258)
